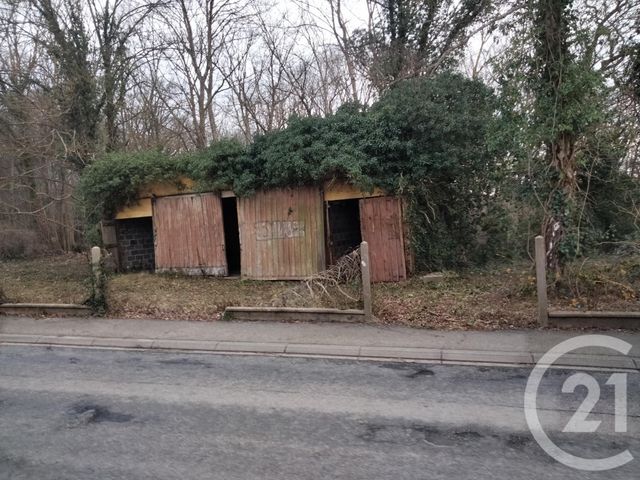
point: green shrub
(115, 180)
(224, 165)
(426, 139)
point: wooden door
(381, 226)
(282, 234)
(189, 234)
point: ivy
(115, 180)
(426, 139)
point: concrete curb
(39, 309)
(470, 357)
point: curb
(422, 355)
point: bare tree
(65, 37)
(200, 31)
(115, 22)
(290, 67)
(37, 178)
(410, 38)
(55, 93)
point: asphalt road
(85, 414)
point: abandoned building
(278, 234)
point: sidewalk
(522, 347)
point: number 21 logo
(579, 422)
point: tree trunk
(560, 206)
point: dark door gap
(231, 234)
(344, 227)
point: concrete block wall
(135, 244)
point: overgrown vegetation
(46, 279)
(538, 132)
(426, 140)
(98, 300)
(571, 125)
(498, 296)
(115, 179)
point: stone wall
(135, 244)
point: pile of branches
(328, 283)
(345, 271)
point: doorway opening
(344, 228)
(231, 234)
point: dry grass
(499, 297)
(600, 283)
(168, 296)
(55, 279)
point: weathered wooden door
(381, 226)
(189, 234)
(282, 234)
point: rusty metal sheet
(382, 227)
(282, 234)
(189, 234)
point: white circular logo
(579, 422)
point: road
(106, 414)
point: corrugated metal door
(189, 234)
(282, 234)
(381, 226)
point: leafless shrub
(19, 243)
(589, 282)
(345, 271)
(337, 284)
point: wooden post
(541, 281)
(365, 267)
(98, 294)
(96, 257)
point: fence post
(366, 281)
(541, 282)
(98, 294)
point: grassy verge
(496, 297)
(483, 299)
(54, 279)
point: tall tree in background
(115, 23)
(557, 94)
(64, 68)
(409, 38)
(200, 32)
(68, 44)
(578, 67)
(560, 80)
